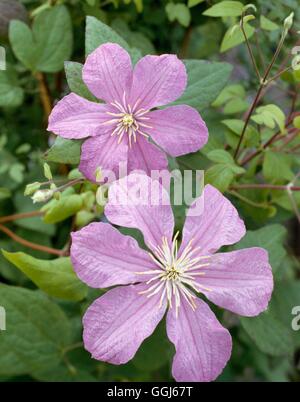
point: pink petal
(136, 201)
(203, 346)
(107, 72)
(240, 281)
(102, 152)
(103, 257)
(75, 117)
(178, 130)
(116, 324)
(146, 157)
(158, 80)
(212, 221)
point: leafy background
(43, 298)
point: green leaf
(11, 94)
(63, 373)
(270, 115)
(59, 210)
(74, 78)
(271, 238)
(225, 9)
(37, 330)
(22, 43)
(251, 138)
(283, 199)
(296, 122)
(4, 193)
(64, 151)
(236, 106)
(98, 33)
(269, 334)
(179, 12)
(233, 99)
(48, 44)
(230, 92)
(267, 24)
(16, 172)
(285, 298)
(134, 39)
(220, 176)
(155, 352)
(55, 277)
(234, 36)
(205, 82)
(192, 3)
(221, 156)
(276, 166)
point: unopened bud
(47, 171)
(42, 196)
(98, 174)
(287, 23)
(101, 195)
(32, 188)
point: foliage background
(42, 296)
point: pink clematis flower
(168, 277)
(120, 128)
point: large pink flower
(120, 129)
(117, 323)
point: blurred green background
(44, 300)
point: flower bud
(42, 196)
(47, 171)
(32, 188)
(287, 24)
(98, 174)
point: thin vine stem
(263, 84)
(15, 217)
(260, 186)
(250, 49)
(31, 245)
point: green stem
(247, 201)
(262, 186)
(249, 49)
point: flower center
(128, 120)
(172, 274)
(176, 276)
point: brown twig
(31, 245)
(249, 49)
(44, 93)
(294, 134)
(293, 104)
(22, 215)
(186, 42)
(274, 138)
(249, 114)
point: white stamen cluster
(128, 120)
(175, 276)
